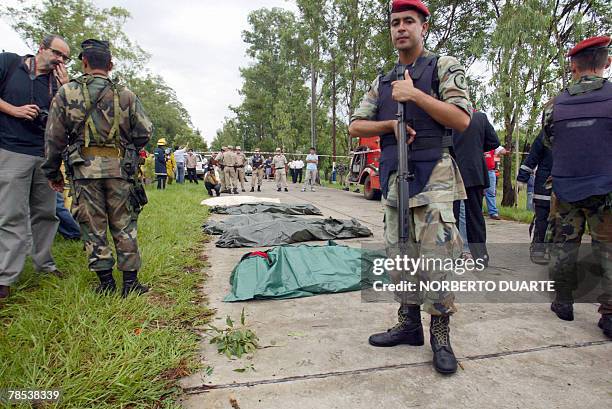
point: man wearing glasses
(27, 203)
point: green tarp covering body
(300, 271)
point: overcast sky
(195, 45)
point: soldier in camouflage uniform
(578, 129)
(436, 99)
(99, 127)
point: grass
(107, 352)
(518, 213)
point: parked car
(201, 163)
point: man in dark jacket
(469, 147)
(27, 86)
(539, 157)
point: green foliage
(234, 340)
(77, 20)
(105, 351)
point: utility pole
(333, 110)
(313, 103)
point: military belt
(102, 151)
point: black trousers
(542, 209)
(475, 226)
(298, 175)
(210, 188)
(192, 175)
(294, 175)
(161, 181)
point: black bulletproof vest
(431, 136)
(582, 146)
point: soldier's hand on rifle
(57, 185)
(410, 133)
(405, 91)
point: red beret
(403, 5)
(593, 42)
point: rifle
(129, 167)
(404, 173)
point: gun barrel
(403, 174)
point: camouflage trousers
(567, 224)
(105, 203)
(435, 236)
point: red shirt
(490, 159)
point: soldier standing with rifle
(578, 129)
(99, 127)
(433, 94)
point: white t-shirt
(179, 155)
(299, 164)
(312, 166)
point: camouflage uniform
(102, 194)
(567, 222)
(433, 221)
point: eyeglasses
(59, 54)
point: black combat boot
(259, 188)
(236, 191)
(444, 358)
(286, 190)
(408, 329)
(107, 282)
(252, 189)
(245, 190)
(537, 253)
(278, 190)
(132, 285)
(605, 323)
(5, 291)
(564, 310)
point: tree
(526, 54)
(77, 20)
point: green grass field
(107, 352)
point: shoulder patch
(460, 81)
(456, 68)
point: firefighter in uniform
(100, 127)
(436, 100)
(578, 128)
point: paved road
(315, 352)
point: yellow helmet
(161, 141)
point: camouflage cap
(93, 45)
